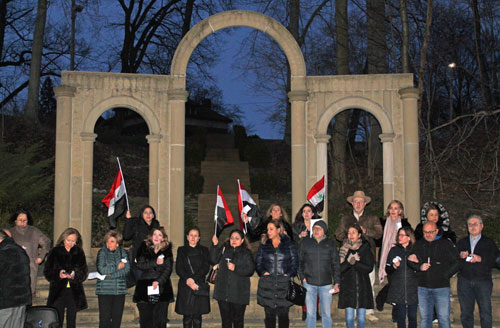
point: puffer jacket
(355, 285)
(14, 275)
(319, 262)
(281, 263)
(232, 286)
(403, 283)
(151, 271)
(107, 264)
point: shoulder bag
(296, 293)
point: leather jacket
(277, 261)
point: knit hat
(322, 224)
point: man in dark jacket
(436, 260)
(15, 290)
(318, 266)
(477, 257)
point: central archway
(297, 95)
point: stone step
(222, 154)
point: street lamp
(451, 66)
(74, 10)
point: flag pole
(239, 192)
(124, 186)
(215, 214)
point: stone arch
(122, 101)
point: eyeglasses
(430, 232)
(475, 224)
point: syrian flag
(222, 216)
(317, 194)
(246, 205)
(116, 200)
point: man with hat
(319, 265)
(370, 225)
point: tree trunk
(31, 112)
(187, 17)
(481, 60)
(423, 54)
(377, 64)
(406, 36)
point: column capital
(178, 94)
(322, 138)
(153, 138)
(409, 92)
(88, 136)
(386, 137)
(64, 91)
(298, 95)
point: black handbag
(203, 287)
(296, 293)
(214, 270)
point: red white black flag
(317, 194)
(222, 216)
(246, 205)
(116, 200)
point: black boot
(197, 321)
(304, 316)
(187, 321)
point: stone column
(177, 100)
(62, 181)
(409, 97)
(387, 140)
(298, 102)
(154, 142)
(88, 140)
(322, 166)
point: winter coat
(487, 249)
(136, 229)
(151, 271)
(403, 283)
(232, 286)
(187, 303)
(255, 233)
(281, 263)
(371, 223)
(443, 257)
(36, 245)
(355, 285)
(298, 227)
(74, 260)
(107, 264)
(14, 275)
(319, 262)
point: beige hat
(359, 194)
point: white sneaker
(371, 317)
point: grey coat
(107, 264)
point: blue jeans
(349, 317)
(470, 291)
(325, 302)
(401, 310)
(430, 298)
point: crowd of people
(415, 267)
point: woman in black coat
(403, 287)
(435, 212)
(356, 263)
(276, 263)
(232, 285)
(193, 293)
(66, 270)
(137, 229)
(155, 260)
(275, 212)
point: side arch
(354, 102)
(122, 101)
(232, 18)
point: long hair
(113, 234)
(409, 232)
(66, 233)
(284, 215)
(300, 219)
(149, 239)
(14, 216)
(401, 207)
(144, 208)
(278, 224)
(242, 236)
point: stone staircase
(222, 167)
(254, 314)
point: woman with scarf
(356, 262)
(32, 240)
(435, 212)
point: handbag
(214, 270)
(203, 287)
(296, 293)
